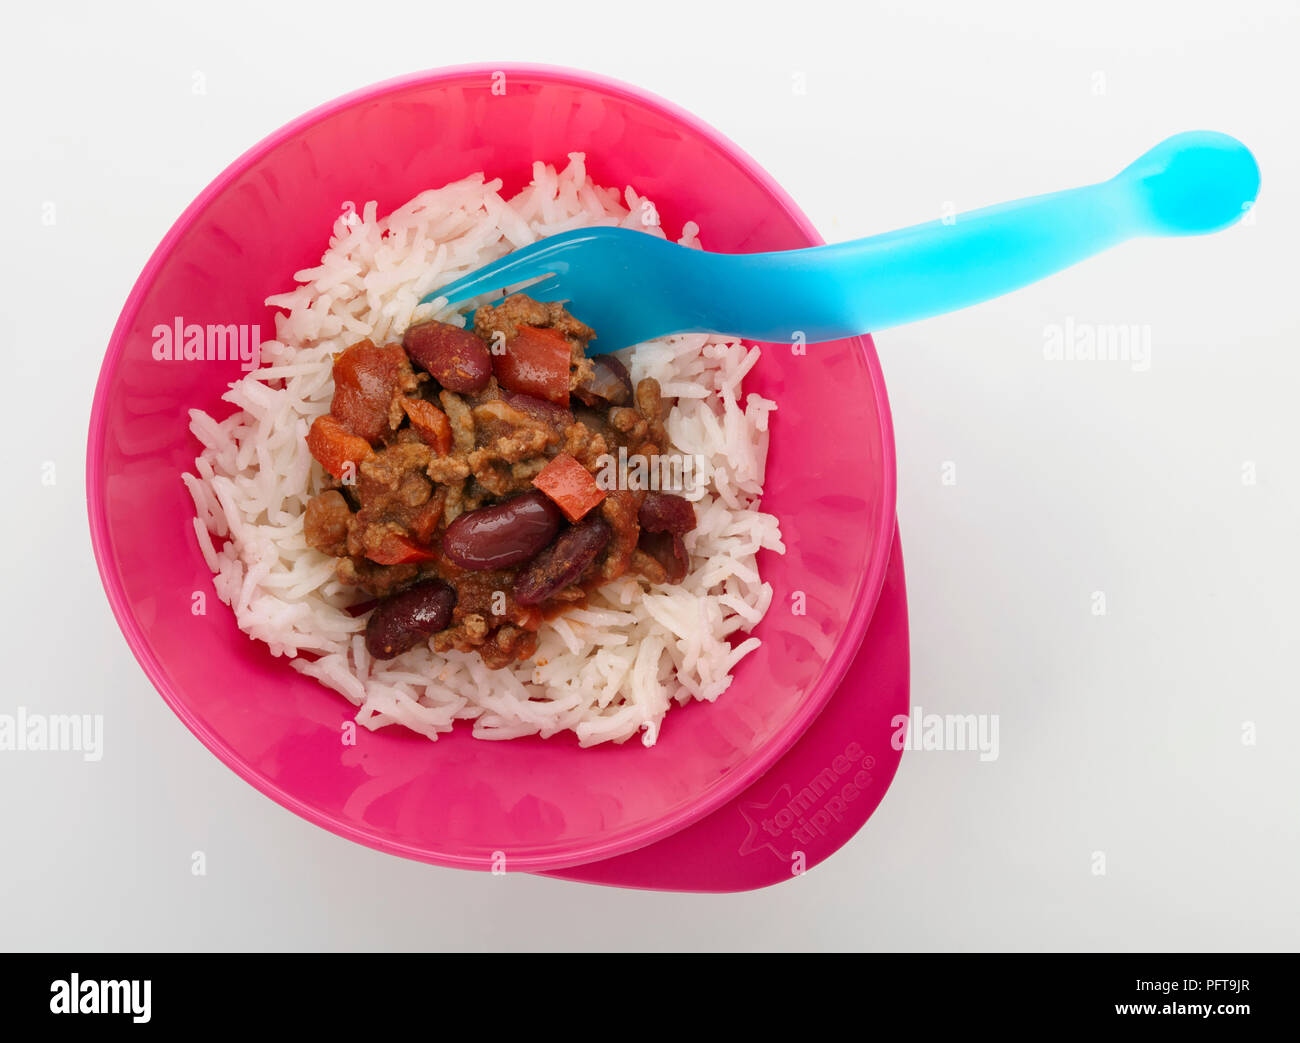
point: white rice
(604, 672)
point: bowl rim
(869, 582)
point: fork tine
(547, 290)
(550, 289)
(517, 267)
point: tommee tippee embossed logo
(792, 819)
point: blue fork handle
(1190, 184)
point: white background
(1120, 733)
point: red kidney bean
(562, 563)
(402, 621)
(504, 535)
(664, 512)
(610, 383)
(668, 549)
(539, 409)
(457, 359)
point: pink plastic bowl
(543, 804)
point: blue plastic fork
(631, 287)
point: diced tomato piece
(366, 381)
(396, 549)
(430, 422)
(335, 446)
(426, 520)
(570, 485)
(536, 362)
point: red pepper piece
(570, 485)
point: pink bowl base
(813, 800)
